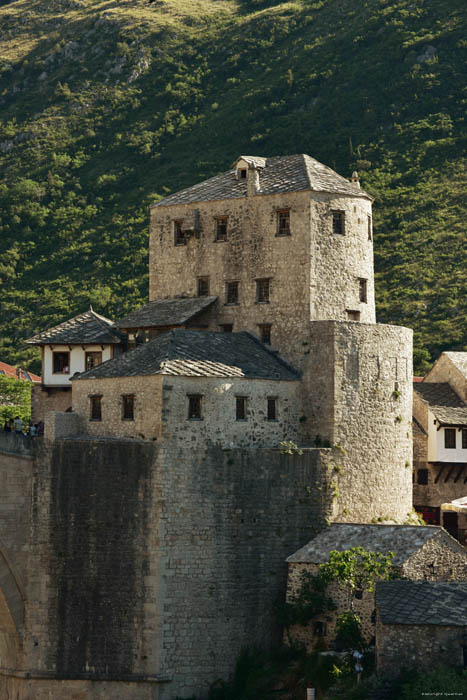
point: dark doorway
(450, 523)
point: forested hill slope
(106, 106)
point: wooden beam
(439, 474)
(460, 472)
(450, 472)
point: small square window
(358, 594)
(353, 315)
(95, 408)
(272, 409)
(265, 333)
(422, 477)
(450, 438)
(262, 291)
(231, 295)
(464, 438)
(242, 173)
(227, 327)
(363, 290)
(319, 628)
(221, 228)
(240, 407)
(61, 363)
(203, 286)
(370, 228)
(194, 407)
(283, 222)
(179, 236)
(128, 407)
(92, 359)
(338, 222)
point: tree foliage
(15, 399)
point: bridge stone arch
(11, 614)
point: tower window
(370, 228)
(128, 407)
(422, 477)
(283, 222)
(95, 408)
(231, 295)
(353, 315)
(272, 408)
(203, 286)
(450, 438)
(338, 222)
(179, 236)
(262, 291)
(240, 407)
(363, 288)
(265, 333)
(221, 228)
(194, 406)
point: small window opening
(221, 228)
(241, 407)
(358, 594)
(242, 173)
(283, 222)
(450, 438)
(128, 407)
(203, 286)
(363, 286)
(194, 407)
(92, 359)
(422, 477)
(265, 333)
(464, 438)
(227, 327)
(370, 228)
(319, 628)
(61, 363)
(338, 222)
(96, 408)
(263, 288)
(353, 315)
(232, 293)
(272, 409)
(179, 236)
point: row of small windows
(282, 226)
(61, 361)
(450, 438)
(195, 407)
(127, 404)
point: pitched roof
(18, 373)
(88, 328)
(444, 403)
(197, 354)
(279, 174)
(459, 359)
(422, 602)
(403, 540)
(166, 312)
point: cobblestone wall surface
(50, 400)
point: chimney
(253, 186)
(355, 179)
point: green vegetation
(109, 106)
(15, 399)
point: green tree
(15, 399)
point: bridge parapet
(21, 445)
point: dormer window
(241, 174)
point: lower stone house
(420, 625)
(420, 553)
(194, 387)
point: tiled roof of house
(18, 373)
(459, 359)
(166, 312)
(198, 354)
(422, 602)
(86, 328)
(279, 174)
(403, 540)
(445, 404)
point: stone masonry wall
(43, 401)
(219, 425)
(440, 559)
(358, 395)
(314, 273)
(445, 371)
(417, 646)
(147, 391)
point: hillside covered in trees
(109, 105)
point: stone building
(420, 625)
(420, 553)
(162, 508)
(440, 443)
(73, 346)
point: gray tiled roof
(280, 174)
(88, 328)
(422, 602)
(166, 312)
(403, 540)
(445, 404)
(459, 359)
(198, 354)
